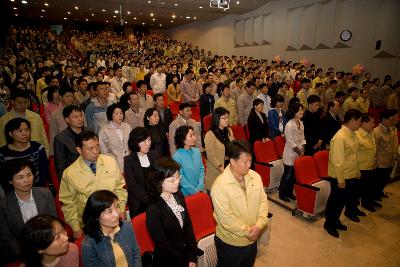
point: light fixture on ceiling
(12, 0)
(149, 2)
(92, 14)
(76, 7)
(65, 18)
(46, 4)
(15, 8)
(194, 18)
(172, 21)
(43, 10)
(176, 4)
(188, 17)
(87, 19)
(162, 3)
(41, 16)
(173, 16)
(237, 2)
(16, 14)
(143, 23)
(114, 16)
(23, 2)
(128, 12)
(103, 10)
(154, 19)
(200, 7)
(134, 18)
(106, 21)
(160, 25)
(151, 14)
(69, 13)
(116, 11)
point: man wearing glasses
(240, 209)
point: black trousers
(287, 182)
(382, 178)
(338, 198)
(353, 190)
(235, 256)
(367, 192)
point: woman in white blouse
(294, 147)
(114, 136)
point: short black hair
(330, 105)
(149, 112)
(85, 136)
(137, 135)
(250, 84)
(18, 93)
(140, 83)
(180, 135)
(65, 90)
(352, 114)
(50, 93)
(352, 89)
(125, 86)
(305, 80)
(13, 125)
(332, 82)
(366, 117)
(69, 109)
(97, 202)
(111, 108)
(98, 84)
(182, 106)
(277, 98)
(14, 166)
(236, 148)
(386, 114)
(293, 109)
(188, 71)
(313, 99)
(155, 96)
(339, 94)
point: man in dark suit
(330, 123)
(20, 205)
(69, 80)
(166, 116)
(65, 152)
(312, 126)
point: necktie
(93, 167)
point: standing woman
(45, 243)
(20, 146)
(113, 137)
(294, 148)
(276, 117)
(108, 240)
(53, 104)
(189, 158)
(159, 139)
(215, 143)
(167, 219)
(174, 90)
(137, 168)
(258, 123)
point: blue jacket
(192, 170)
(273, 121)
(101, 253)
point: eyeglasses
(173, 179)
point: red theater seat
(207, 123)
(53, 174)
(268, 164)
(279, 143)
(143, 238)
(239, 133)
(311, 192)
(321, 161)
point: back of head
(352, 114)
(236, 148)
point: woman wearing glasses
(167, 218)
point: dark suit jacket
(65, 152)
(168, 118)
(258, 129)
(174, 246)
(312, 131)
(135, 180)
(330, 126)
(64, 83)
(11, 222)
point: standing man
(350, 101)
(240, 209)
(158, 81)
(343, 172)
(305, 92)
(330, 123)
(117, 82)
(312, 126)
(189, 90)
(134, 115)
(245, 102)
(165, 113)
(146, 101)
(90, 172)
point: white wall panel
(257, 31)
(294, 28)
(248, 31)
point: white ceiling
(163, 10)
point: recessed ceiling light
(126, 22)
(176, 4)
(43, 10)
(41, 16)
(188, 17)
(65, 18)
(143, 23)
(69, 13)
(172, 21)
(12, 0)
(149, 2)
(114, 16)
(15, 8)
(154, 19)
(173, 16)
(46, 4)
(106, 21)
(76, 7)
(237, 2)
(160, 25)
(128, 12)
(151, 15)
(23, 2)
(162, 3)
(103, 10)
(116, 11)
(134, 18)
(194, 18)
(16, 15)
(92, 14)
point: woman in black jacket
(168, 220)
(258, 123)
(159, 139)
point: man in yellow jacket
(89, 173)
(240, 209)
(344, 173)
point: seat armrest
(308, 186)
(264, 164)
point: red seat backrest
(174, 106)
(60, 215)
(265, 152)
(196, 113)
(201, 213)
(238, 132)
(305, 170)
(143, 238)
(247, 131)
(78, 243)
(321, 161)
(207, 123)
(279, 143)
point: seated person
(108, 240)
(19, 146)
(137, 168)
(45, 243)
(88, 173)
(65, 152)
(174, 243)
(20, 205)
(189, 158)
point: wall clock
(345, 35)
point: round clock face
(345, 35)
